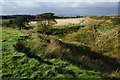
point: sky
(59, 7)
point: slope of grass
(96, 39)
(18, 65)
(101, 38)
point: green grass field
(17, 65)
(76, 51)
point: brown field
(64, 21)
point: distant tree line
(65, 17)
(32, 17)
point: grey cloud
(61, 8)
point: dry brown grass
(69, 21)
(61, 22)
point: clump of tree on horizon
(19, 22)
(45, 20)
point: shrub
(20, 22)
(116, 21)
(7, 24)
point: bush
(116, 21)
(20, 22)
(7, 24)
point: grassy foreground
(16, 65)
(88, 50)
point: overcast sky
(61, 7)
